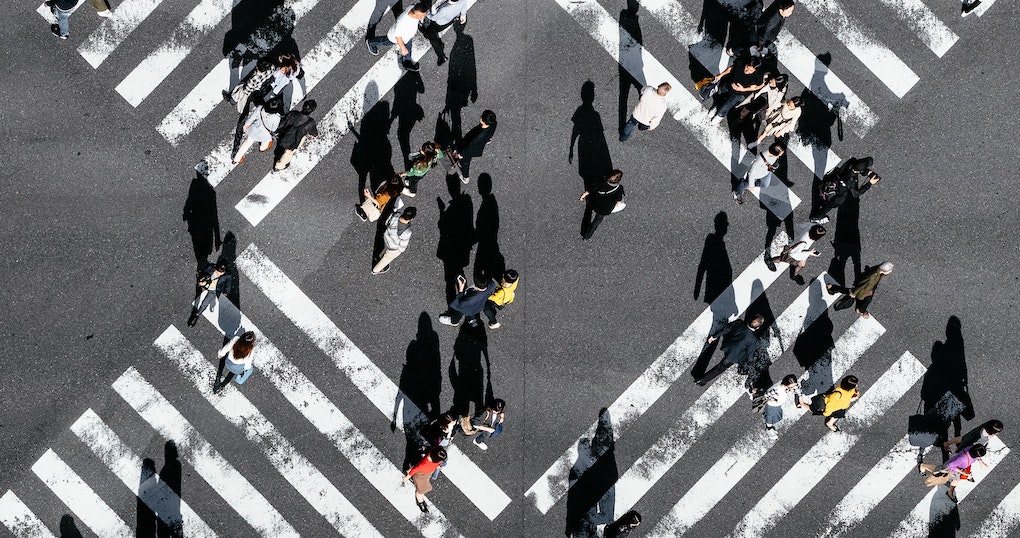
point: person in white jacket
(648, 112)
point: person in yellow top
(834, 404)
(503, 296)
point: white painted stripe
(712, 404)
(1004, 519)
(729, 469)
(285, 458)
(933, 32)
(876, 485)
(20, 520)
(682, 105)
(661, 374)
(937, 505)
(795, 485)
(317, 63)
(363, 373)
(126, 465)
(377, 469)
(101, 43)
(874, 55)
(983, 7)
(79, 497)
(46, 13)
(230, 484)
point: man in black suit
(739, 340)
(213, 281)
(473, 144)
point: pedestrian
(739, 340)
(421, 163)
(798, 251)
(503, 296)
(766, 100)
(768, 26)
(978, 436)
(250, 90)
(440, 16)
(606, 200)
(213, 281)
(374, 205)
(288, 69)
(260, 127)
(864, 287)
(62, 10)
(468, 302)
(296, 127)
(401, 34)
(487, 425)
(439, 432)
(396, 238)
(968, 7)
(841, 184)
(621, 528)
(759, 175)
(236, 356)
(473, 145)
(771, 401)
(737, 82)
(648, 112)
(421, 473)
(955, 469)
(102, 8)
(833, 404)
(781, 121)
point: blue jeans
(763, 182)
(383, 41)
(628, 128)
(62, 17)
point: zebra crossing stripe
(983, 7)
(285, 458)
(79, 497)
(101, 43)
(660, 375)
(933, 32)
(711, 405)
(1004, 519)
(20, 520)
(230, 484)
(937, 505)
(729, 469)
(318, 62)
(128, 467)
(795, 485)
(363, 373)
(874, 55)
(682, 105)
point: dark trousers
(713, 373)
(823, 209)
(465, 166)
(431, 32)
(628, 128)
(490, 311)
(456, 316)
(861, 303)
(591, 223)
(732, 99)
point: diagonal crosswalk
(20, 520)
(79, 497)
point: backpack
(829, 190)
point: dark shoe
(423, 507)
(952, 496)
(799, 280)
(411, 66)
(769, 263)
(360, 213)
(56, 32)
(193, 318)
(738, 198)
(441, 60)
(216, 388)
(372, 48)
(967, 8)
(228, 98)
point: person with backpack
(469, 302)
(213, 281)
(841, 184)
(834, 404)
(770, 402)
(759, 175)
(375, 204)
(421, 475)
(296, 127)
(739, 340)
(978, 436)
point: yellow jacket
(504, 295)
(838, 399)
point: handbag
(937, 478)
(843, 302)
(920, 432)
(371, 210)
(818, 404)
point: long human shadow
(159, 497)
(372, 153)
(421, 378)
(592, 499)
(945, 392)
(200, 212)
(456, 234)
(68, 529)
(406, 111)
(756, 369)
(846, 241)
(461, 79)
(593, 160)
(489, 261)
(817, 119)
(467, 375)
(259, 29)
(943, 517)
(629, 24)
(714, 268)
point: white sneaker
(480, 444)
(495, 325)
(445, 320)
(716, 120)
(105, 13)
(408, 193)
(752, 145)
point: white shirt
(650, 108)
(447, 11)
(803, 250)
(405, 27)
(760, 167)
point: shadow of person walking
(456, 234)
(407, 111)
(489, 261)
(944, 389)
(629, 25)
(592, 499)
(372, 153)
(421, 378)
(714, 268)
(467, 376)
(203, 219)
(68, 529)
(593, 160)
(461, 79)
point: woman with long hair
(236, 356)
(421, 163)
(260, 127)
(375, 205)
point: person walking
(978, 436)
(955, 469)
(739, 340)
(834, 404)
(421, 475)
(781, 121)
(401, 34)
(439, 17)
(288, 69)
(421, 163)
(213, 281)
(473, 145)
(62, 10)
(737, 82)
(241, 96)
(841, 184)
(772, 400)
(260, 127)
(759, 175)
(864, 288)
(236, 356)
(768, 26)
(797, 252)
(606, 200)
(766, 100)
(648, 112)
(487, 425)
(500, 298)
(374, 205)
(469, 302)
(296, 127)
(396, 238)
(621, 528)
